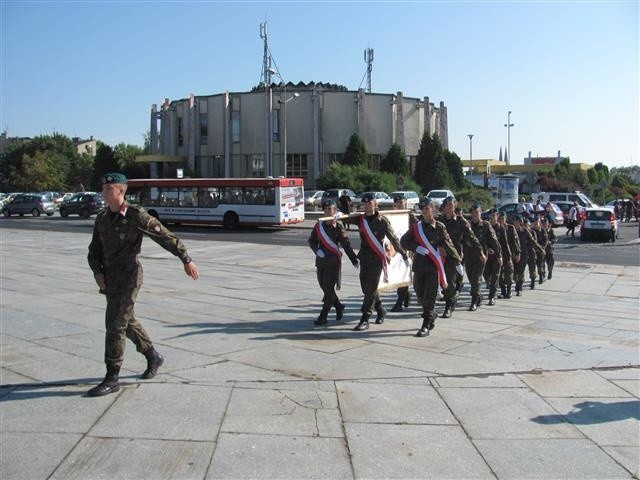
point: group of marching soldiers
(443, 245)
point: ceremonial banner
(398, 273)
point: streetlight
(470, 152)
(284, 127)
(508, 125)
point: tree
(454, 166)
(37, 172)
(104, 162)
(431, 167)
(125, 156)
(356, 152)
(395, 161)
(80, 173)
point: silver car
(32, 203)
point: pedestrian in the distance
(113, 258)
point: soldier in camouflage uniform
(475, 262)
(113, 258)
(325, 241)
(548, 257)
(506, 277)
(461, 235)
(543, 239)
(428, 267)
(535, 250)
(495, 264)
(371, 259)
(526, 245)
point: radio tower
(368, 59)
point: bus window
(133, 196)
(208, 197)
(232, 195)
(270, 196)
(259, 197)
(168, 197)
(188, 197)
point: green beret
(424, 202)
(113, 178)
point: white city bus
(221, 201)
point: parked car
(385, 202)
(439, 195)
(83, 204)
(556, 197)
(599, 223)
(312, 199)
(32, 203)
(410, 196)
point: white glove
(421, 250)
(320, 253)
(460, 269)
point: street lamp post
(284, 127)
(508, 125)
(470, 152)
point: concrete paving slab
(628, 457)
(31, 409)
(31, 455)
(606, 421)
(549, 459)
(66, 368)
(470, 381)
(151, 410)
(572, 384)
(275, 456)
(506, 413)
(631, 386)
(31, 326)
(109, 458)
(399, 404)
(413, 451)
(225, 371)
(620, 373)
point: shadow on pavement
(590, 413)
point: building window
(204, 129)
(235, 127)
(275, 122)
(255, 165)
(180, 136)
(297, 165)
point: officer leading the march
(325, 240)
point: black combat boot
(364, 323)
(508, 295)
(474, 305)
(322, 318)
(518, 289)
(398, 306)
(381, 313)
(108, 385)
(503, 292)
(154, 361)
(492, 297)
(447, 309)
(339, 310)
(479, 300)
(549, 276)
(424, 329)
(533, 284)
(541, 279)
(407, 297)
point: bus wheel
(231, 220)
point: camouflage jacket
(335, 231)
(116, 242)
(486, 235)
(438, 237)
(381, 228)
(462, 237)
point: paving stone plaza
(542, 386)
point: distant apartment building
(85, 146)
(225, 134)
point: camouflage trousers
(121, 323)
(491, 275)
(506, 274)
(519, 269)
(369, 279)
(454, 281)
(327, 279)
(532, 263)
(474, 272)
(426, 282)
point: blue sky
(568, 71)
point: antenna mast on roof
(368, 59)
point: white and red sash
(333, 247)
(434, 254)
(375, 245)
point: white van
(579, 197)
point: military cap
(328, 203)
(475, 205)
(108, 178)
(492, 211)
(518, 218)
(447, 200)
(367, 197)
(458, 210)
(425, 202)
(502, 214)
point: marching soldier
(543, 239)
(496, 263)
(426, 238)
(506, 277)
(475, 262)
(549, 259)
(460, 234)
(373, 229)
(113, 258)
(526, 241)
(325, 241)
(535, 250)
